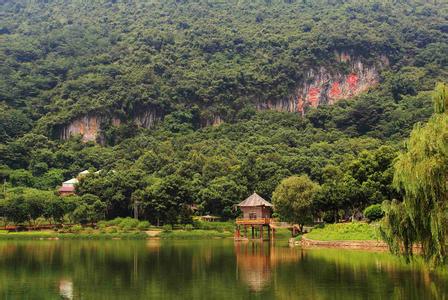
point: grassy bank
(136, 235)
(345, 232)
(128, 228)
(194, 234)
(39, 235)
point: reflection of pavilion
(66, 289)
(256, 261)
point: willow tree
(421, 174)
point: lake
(210, 269)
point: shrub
(128, 223)
(189, 227)
(143, 225)
(76, 229)
(206, 226)
(111, 230)
(374, 212)
(115, 221)
(167, 228)
(229, 228)
(101, 224)
(197, 224)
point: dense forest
(190, 61)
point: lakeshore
(345, 235)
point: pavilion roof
(210, 217)
(254, 200)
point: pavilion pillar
(261, 232)
(253, 232)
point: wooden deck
(261, 221)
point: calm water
(215, 269)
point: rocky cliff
(89, 126)
(323, 86)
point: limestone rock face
(214, 120)
(89, 126)
(322, 86)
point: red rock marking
(335, 90)
(352, 81)
(313, 96)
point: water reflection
(256, 261)
(206, 269)
(66, 289)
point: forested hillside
(327, 88)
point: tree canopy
(293, 199)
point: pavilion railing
(258, 221)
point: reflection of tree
(255, 262)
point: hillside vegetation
(191, 60)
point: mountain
(74, 67)
(202, 102)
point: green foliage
(39, 235)
(373, 212)
(75, 229)
(167, 227)
(128, 224)
(420, 173)
(397, 229)
(194, 70)
(355, 231)
(21, 177)
(194, 234)
(89, 209)
(143, 225)
(440, 98)
(293, 199)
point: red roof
(67, 189)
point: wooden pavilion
(209, 218)
(256, 215)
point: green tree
(21, 177)
(16, 209)
(55, 209)
(293, 199)
(90, 209)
